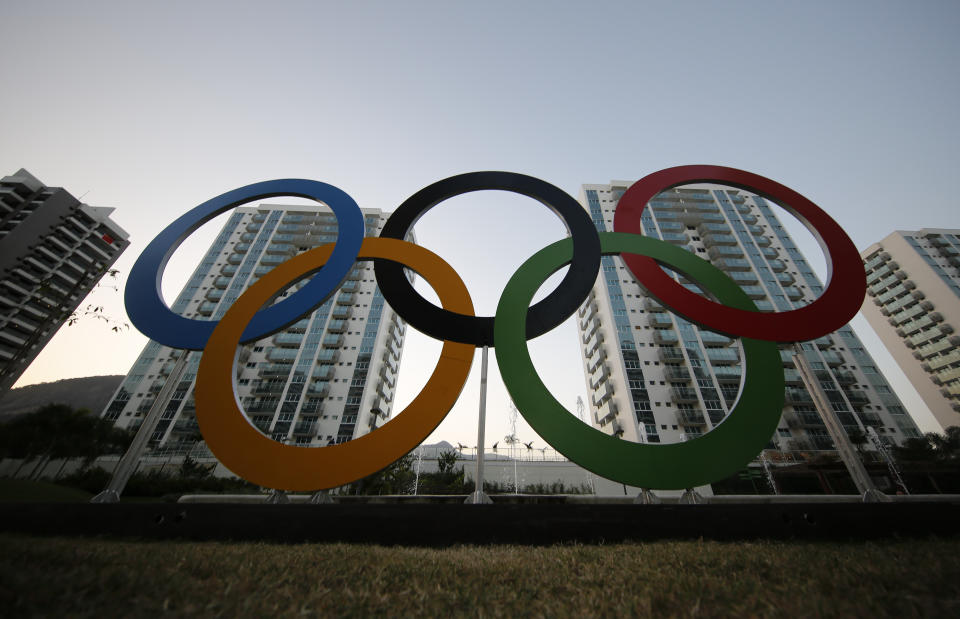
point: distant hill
(91, 392)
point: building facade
(53, 251)
(913, 303)
(654, 377)
(325, 379)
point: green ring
(710, 457)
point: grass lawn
(95, 578)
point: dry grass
(97, 578)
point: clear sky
(154, 108)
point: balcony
(857, 397)
(823, 342)
(590, 329)
(793, 293)
(675, 238)
(710, 338)
(832, 358)
(298, 327)
(707, 227)
(743, 277)
(312, 405)
(389, 361)
(691, 418)
(670, 354)
(593, 344)
(282, 354)
(714, 240)
(604, 393)
(320, 388)
(186, 425)
(328, 355)
(727, 373)
(754, 292)
(652, 305)
(947, 376)
(845, 377)
(793, 422)
(659, 320)
(665, 337)
(305, 428)
(588, 310)
(290, 340)
(268, 406)
(683, 394)
(725, 251)
(950, 391)
(588, 325)
(797, 396)
(676, 374)
(598, 361)
(332, 340)
(792, 377)
(323, 371)
(724, 356)
(800, 444)
(272, 260)
(268, 387)
(606, 413)
(733, 264)
(262, 424)
(275, 369)
(935, 363)
(206, 308)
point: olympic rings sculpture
(715, 455)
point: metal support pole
(128, 463)
(769, 473)
(646, 497)
(888, 457)
(844, 448)
(478, 495)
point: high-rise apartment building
(325, 379)
(654, 377)
(913, 283)
(53, 251)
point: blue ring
(144, 301)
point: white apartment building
(913, 283)
(654, 377)
(53, 251)
(325, 379)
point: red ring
(846, 280)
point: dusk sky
(154, 108)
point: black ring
(478, 330)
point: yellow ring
(253, 456)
